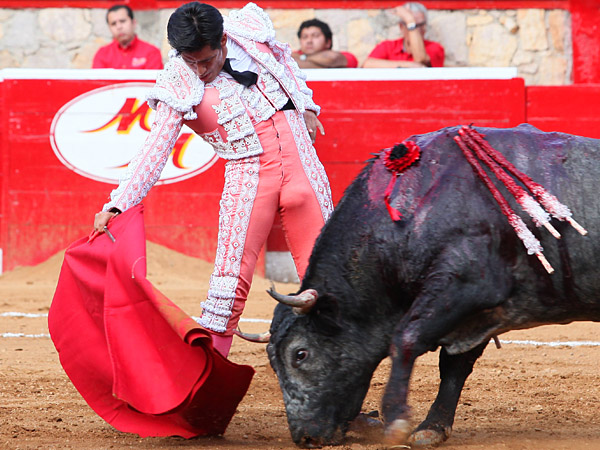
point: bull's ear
(326, 315)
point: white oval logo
(97, 134)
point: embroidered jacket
(221, 112)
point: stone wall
(536, 41)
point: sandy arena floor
(519, 397)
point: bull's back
(568, 167)
(445, 192)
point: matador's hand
(101, 219)
(312, 124)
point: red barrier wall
(585, 16)
(363, 117)
(571, 109)
(45, 205)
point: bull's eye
(299, 357)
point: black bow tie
(247, 78)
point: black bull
(451, 273)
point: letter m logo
(130, 113)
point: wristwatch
(411, 26)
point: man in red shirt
(412, 50)
(126, 51)
(315, 48)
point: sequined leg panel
(239, 192)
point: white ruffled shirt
(239, 58)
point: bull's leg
(466, 278)
(394, 406)
(454, 370)
(407, 345)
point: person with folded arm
(412, 49)
(316, 41)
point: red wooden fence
(45, 203)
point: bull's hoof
(428, 438)
(367, 426)
(397, 433)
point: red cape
(139, 361)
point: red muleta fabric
(138, 360)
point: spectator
(411, 50)
(315, 48)
(126, 51)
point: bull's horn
(302, 302)
(262, 338)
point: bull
(450, 274)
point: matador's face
(207, 62)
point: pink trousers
(286, 179)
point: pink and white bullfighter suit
(272, 166)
